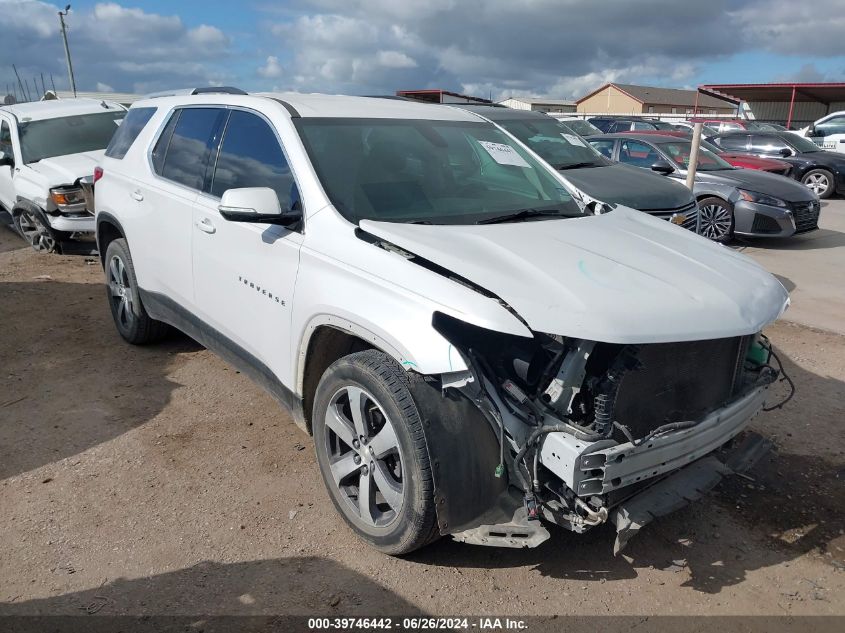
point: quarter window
(190, 145)
(250, 156)
(605, 148)
(128, 131)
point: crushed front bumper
(605, 466)
(681, 488)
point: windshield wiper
(524, 215)
(588, 163)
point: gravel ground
(159, 480)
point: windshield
(438, 172)
(800, 143)
(555, 143)
(67, 135)
(584, 128)
(707, 160)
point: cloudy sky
(552, 48)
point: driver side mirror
(259, 205)
(6, 159)
(785, 152)
(662, 167)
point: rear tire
(131, 319)
(372, 452)
(820, 182)
(716, 219)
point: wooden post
(693, 155)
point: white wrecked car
(46, 149)
(474, 353)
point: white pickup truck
(828, 132)
(46, 149)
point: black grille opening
(679, 382)
(806, 216)
(764, 224)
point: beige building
(629, 99)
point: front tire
(820, 182)
(716, 219)
(131, 319)
(32, 227)
(372, 452)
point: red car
(748, 161)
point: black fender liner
(464, 452)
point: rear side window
(734, 142)
(250, 156)
(186, 158)
(128, 131)
(767, 144)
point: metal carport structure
(786, 102)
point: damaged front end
(579, 432)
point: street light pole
(67, 50)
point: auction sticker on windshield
(504, 154)
(574, 140)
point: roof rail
(228, 90)
(182, 92)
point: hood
(759, 181)
(621, 277)
(754, 162)
(629, 186)
(65, 170)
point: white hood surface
(622, 277)
(65, 170)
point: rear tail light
(98, 173)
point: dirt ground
(158, 480)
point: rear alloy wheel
(820, 182)
(130, 317)
(35, 232)
(372, 452)
(716, 219)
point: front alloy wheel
(35, 232)
(364, 456)
(716, 219)
(372, 452)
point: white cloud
(395, 59)
(271, 69)
(101, 87)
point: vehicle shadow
(59, 342)
(794, 503)
(304, 586)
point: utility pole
(67, 50)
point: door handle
(206, 226)
(137, 195)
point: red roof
(818, 92)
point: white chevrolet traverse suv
(474, 352)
